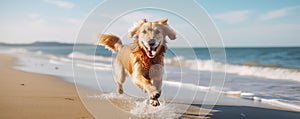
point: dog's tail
(110, 42)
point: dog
(143, 59)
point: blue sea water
(285, 57)
(270, 75)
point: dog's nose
(151, 42)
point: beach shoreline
(32, 95)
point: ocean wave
(93, 67)
(52, 61)
(79, 55)
(240, 94)
(16, 50)
(87, 61)
(81, 63)
(81, 60)
(186, 85)
(248, 69)
(245, 70)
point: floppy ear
(162, 21)
(169, 32)
(136, 27)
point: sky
(239, 22)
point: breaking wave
(245, 70)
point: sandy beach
(28, 95)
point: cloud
(62, 4)
(233, 16)
(277, 13)
(37, 28)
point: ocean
(266, 74)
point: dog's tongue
(151, 52)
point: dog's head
(151, 35)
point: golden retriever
(143, 59)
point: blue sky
(240, 22)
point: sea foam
(256, 71)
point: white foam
(93, 67)
(142, 107)
(274, 102)
(234, 93)
(241, 94)
(81, 62)
(38, 53)
(278, 103)
(144, 110)
(247, 96)
(175, 61)
(52, 61)
(256, 98)
(92, 64)
(52, 57)
(186, 85)
(16, 50)
(112, 96)
(65, 59)
(257, 71)
(78, 55)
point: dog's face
(150, 38)
(151, 35)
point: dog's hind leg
(119, 76)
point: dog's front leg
(157, 82)
(145, 84)
(156, 73)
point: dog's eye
(157, 32)
(144, 31)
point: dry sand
(29, 95)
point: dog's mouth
(150, 51)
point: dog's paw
(120, 90)
(154, 95)
(154, 103)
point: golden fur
(143, 59)
(112, 42)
